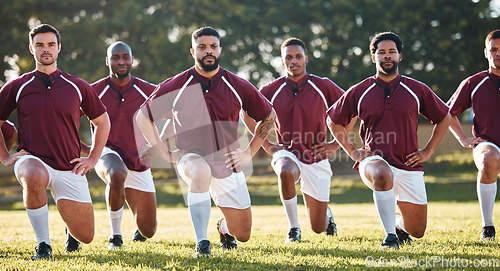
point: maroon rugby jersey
(48, 108)
(481, 92)
(8, 129)
(122, 103)
(389, 124)
(205, 113)
(301, 112)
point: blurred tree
(443, 38)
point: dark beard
(123, 75)
(391, 70)
(206, 67)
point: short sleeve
(344, 109)
(461, 99)
(432, 107)
(7, 100)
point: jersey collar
(120, 88)
(51, 76)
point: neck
(387, 77)
(120, 81)
(494, 71)
(206, 74)
(296, 78)
(47, 69)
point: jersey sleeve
(334, 92)
(256, 104)
(344, 109)
(91, 105)
(7, 100)
(461, 99)
(432, 107)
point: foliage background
(444, 39)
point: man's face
(45, 48)
(492, 53)
(294, 58)
(386, 57)
(206, 52)
(120, 62)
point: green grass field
(451, 241)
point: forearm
(456, 129)
(341, 135)
(3, 149)
(261, 132)
(152, 136)
(100, 136)
(438, 134)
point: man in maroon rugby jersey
(301, 100)
(482, 92)
(390, 163)
(49, 103)
(203, 103)
(127, 178)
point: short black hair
(293, 41)
(44, 28)
(204, 31)
(386, 36)
(495, 34)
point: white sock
(115, 220)
(486, 194)
(39, 219)
(199, 207)
(399, 222)
(223, 227)
(290, 206)
(385, 202)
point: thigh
(316, 212)
(414, 217)
(79, 218)
(239, 222)
(109, 164)
(142, 204)
(374, 169)
(195, 171)
(486, 150)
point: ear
(32, 50)
(59, 49)
(373, 59)
(485, 53)
(192, 52)
(107, 61)
(400, 56)
(307, 59)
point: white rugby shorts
(138, 180)
(315, 179)
(62, 184)
(408, 185)
(230, 192)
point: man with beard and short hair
(127, 178)
(204, 104)
(480, 91)
(390, 163)
(49, 103)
